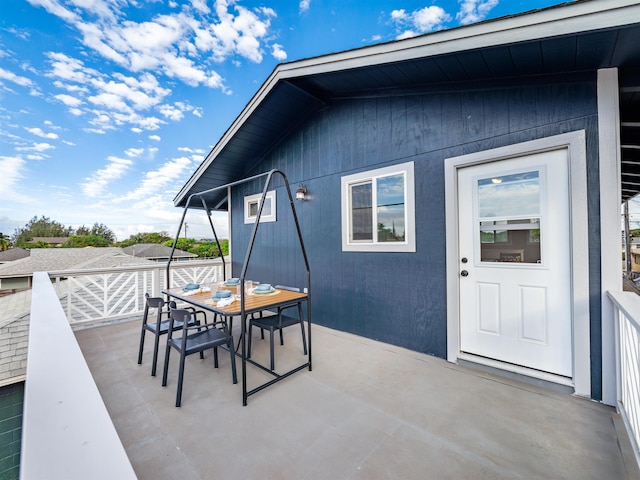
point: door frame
(575, 144)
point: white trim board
(610, 196)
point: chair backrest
(180, 315)
(155, 302)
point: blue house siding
(400, 298)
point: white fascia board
(552, 22)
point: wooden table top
(254, 302)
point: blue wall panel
(400, 298)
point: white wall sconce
(301, 192)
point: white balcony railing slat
(627, 346)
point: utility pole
(185, 230)
(627, 240)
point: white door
(514, 261)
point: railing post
(155, 282)
(618, 356)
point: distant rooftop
(13, 254)
(155, 251)
(47, 259)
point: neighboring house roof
(14, 336)
(47, 260)
(155, 251)
(13, 254)
(579, 36)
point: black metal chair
(278, 321)
(160, 326)
(208, 335)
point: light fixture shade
(301, 192)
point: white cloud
(95, 185)
(420, 21)
(134, 152)
(305, 5)
(17, 79)
(36, 147)
(157, 180)
(155, 137)
(151, 54)
(68, 100)
(399, 14)
(200, 5)
(40, 133)
(406, 34)
(70, 69)
(278, 53)
(472, 11)
(11, 168)
(175, 43)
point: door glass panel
(509, 218)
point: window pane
(266, 210)
(516, 241)
(390, 208)
(509, 195)
(361, 212)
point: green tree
(101, 230)
(81, 241)
(40, 227)
(149, 237)
(202, 249)
(183, 243)
(5, 242)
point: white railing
(627, 335)
(66, 431)
(113, 293)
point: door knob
(464, 260)
(464, 273)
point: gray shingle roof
(13, 254)
(50, 259)
(14, 336)
(155, 250)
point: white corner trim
(610, 197)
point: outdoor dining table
(245, 304)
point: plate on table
(232, 281)
(264, 288)
(191, 286)
(220, 294)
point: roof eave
(566, 19)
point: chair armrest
(205, 325)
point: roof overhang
(578, 36)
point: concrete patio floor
(368, 410)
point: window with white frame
(252, 204)
(378, 210)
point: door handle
(464, 273)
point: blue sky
(107, 107)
